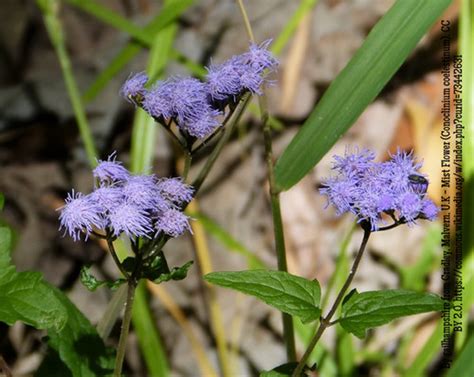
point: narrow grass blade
(110, 17)
(148, 336)
(228, 241)
(50, 9)
(384, 50)
(167, 15)
(289, 29)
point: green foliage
(464, 365)
(384, 50)
(176, 273)
(25, 296)
(288, 293)
(91, 282)
(362, 311)
(280, 371)
(76, 349)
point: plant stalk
(326, 321)
(125, 328)
(288, 327)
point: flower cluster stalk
(326, 321)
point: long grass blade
(50, 9)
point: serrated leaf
(92, 283)
(288, 293)
(176, 273)
(386, 47)
(366, 310)
(76, 347)
(26, 297)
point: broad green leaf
(384, 50)
(2, 201)
(362, 311)
(25, 296)
(464, 365)
(5, 247)
(91, 282)
(76, 349)
(288, 293)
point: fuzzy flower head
(110, 171)
(80, 214)
(370, 189)
(197, 107)
(134, 88)
(122, 203)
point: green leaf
(362, 311)
(463, 366)
(25, 296)
(2, 201)
(76, 348)
(288, 293)
(384, 50)
(91, 282)
(280, 371)
(176, 273)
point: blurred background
(42, 157)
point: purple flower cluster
(195, 105)
(136, 205)
(368, 189)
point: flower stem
(326, 321)
(229, 128)
(125, 328)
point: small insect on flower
(418, 183)
(371, 189)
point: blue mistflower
(259, 57)
(195, 106)
(224, 80)
(369, 189)
(143, 192)
(110, 171)
(134, 88)
(131, 220)
(173, 223)
(122, 203)
(175, 190)
(80, 214)
(158, 101)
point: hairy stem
(326, 321)
(125, 328)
